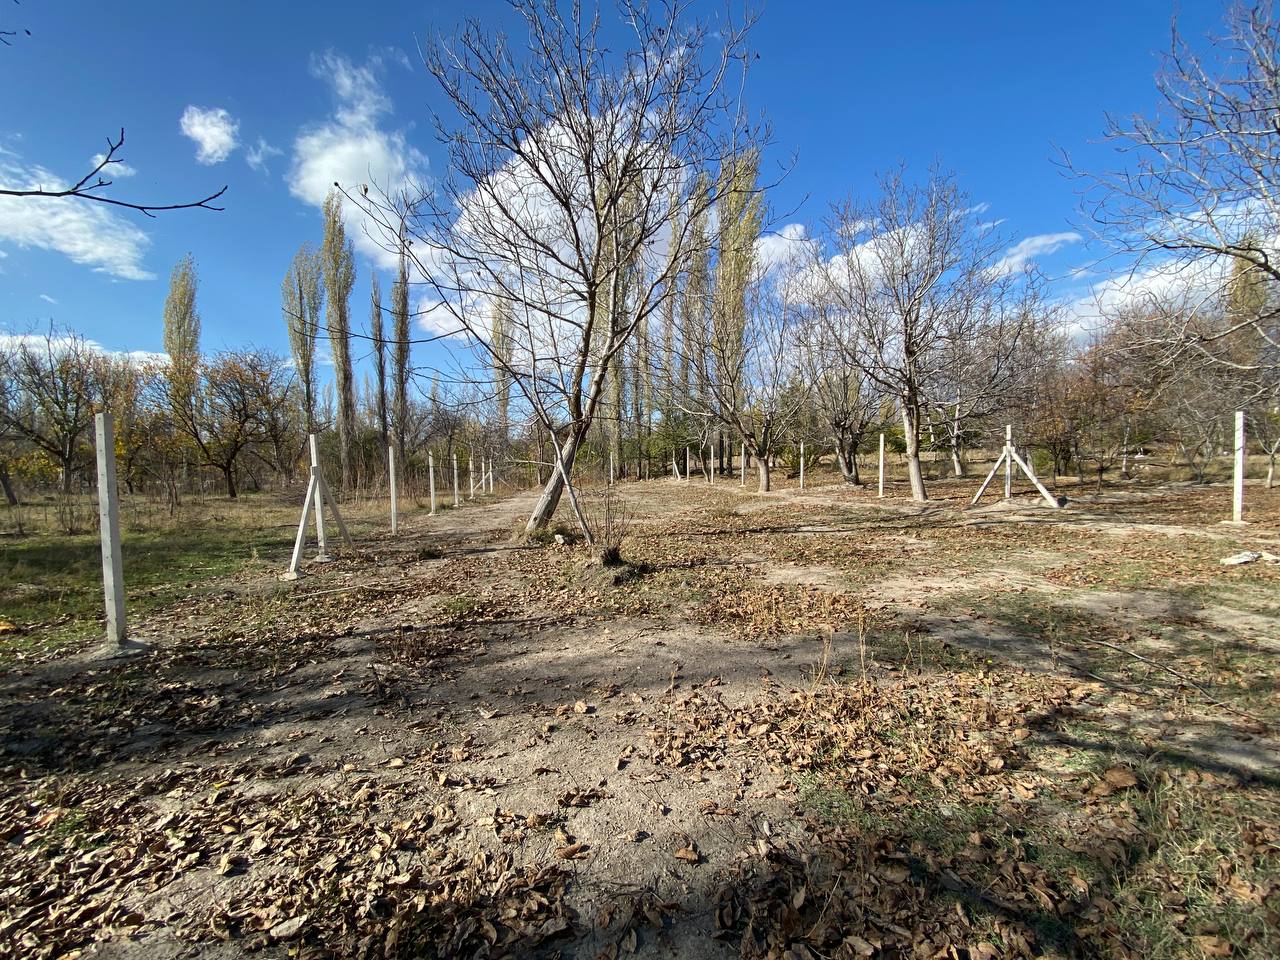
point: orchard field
(808, 724)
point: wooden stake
(455, 480)
(1031, 475)
(322, 556)
(1004, 455)
(801, 464)
(109, 524)
(1008, 461)
(313, 486)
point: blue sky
(280, 100)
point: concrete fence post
(395, 499)
(109, 522)
(1237, 484)
(881, 480)
(431, 480)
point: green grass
(53, 583)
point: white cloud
(781, 246)
(1025, 251)
(48, 299)
(353, 147)
(57, 342)
(90, 234)
(256, 156)
(214, 132)
(117, 169)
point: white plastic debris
(1244, 556)
(1249, 556)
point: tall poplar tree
(380, 356)
(400, 355)
(302, 298)
(339, 277)
(182, 331)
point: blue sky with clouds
(277, 100)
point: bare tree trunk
(11, 497)
(762, 470)
(957, 461)
(910, 429)
(229, 473)
(545, 508)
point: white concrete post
(431, 480)
(490, 472)
(455, 479)
(322, 555)
(1237, 486)
(109, 522)
(711, 462)
(742, 464)
(471, 475)
(687, 461)
(881, 481)
(395, 499)
(675, 469)
(801, 464)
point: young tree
(907, 270)
(547, 146)
(302, 296)
(339, 277)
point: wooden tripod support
(1008, 458)
(317, 494)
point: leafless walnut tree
(572, 172)
(914, 277)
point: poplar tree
(500, 349)
(182, 331)
(339, 277)
(400, 356)
(302, 297)
(380, 356)
(741, 210)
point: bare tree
(909, 270)
(53, 381)
(1198, 193)
(570, 161)
(749, 382)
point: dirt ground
(808, 724)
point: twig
(1184, 678)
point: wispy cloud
(1025, 251)
(89, 234)
(48, 299)
(354, 146)
(117, 170)
(258, 154)
(213, 130)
